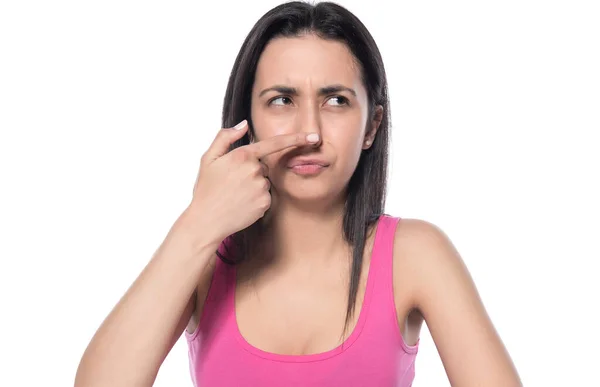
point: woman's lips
(297, 161)
(307, 169)
(307, 165)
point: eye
(340, 99)
(271, 102)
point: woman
(284, 268)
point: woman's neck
(294, 236)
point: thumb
(224, 139)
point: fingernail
(313, 137)
(240, 125)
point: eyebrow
(294, 91)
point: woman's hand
(232, 188)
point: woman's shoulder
(424, 256)
(418, 231)
(430, 273)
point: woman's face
(304, 85)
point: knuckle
(257, 170)
(247, 171)
(265, 203)
(264, 169)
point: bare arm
(133, 341)
(230, 194)
(443, 291)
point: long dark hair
(365, 200)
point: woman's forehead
(306, 62)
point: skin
(306, 247)
(302, 256)
(431, 282)
(230, 193)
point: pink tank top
(375, 354)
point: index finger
(281, 142)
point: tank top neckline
(350, 340)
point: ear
(373, 127)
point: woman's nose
(308, 121)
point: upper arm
(185, 319)
(444, 293)
(190, 318)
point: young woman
(284, 267)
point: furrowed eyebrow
(335, 89)
(294, 92)
(280, 89)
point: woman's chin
(307, 194)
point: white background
(106, 108)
